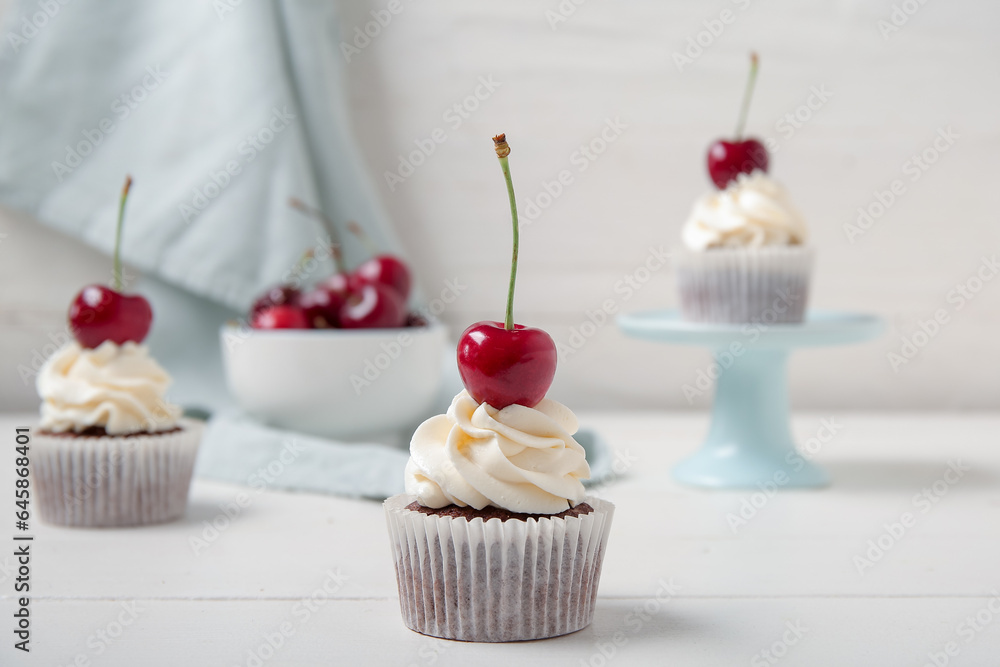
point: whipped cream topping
(118, 387)
(519, 459)
(753, 211)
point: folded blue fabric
(220, 117)
(240, 450)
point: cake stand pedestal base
(749, 442)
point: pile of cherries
(373, 296)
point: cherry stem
(747, 94)
(301, 264)
(117, 266)
(363, 237)
(503, 150)
(331, 229)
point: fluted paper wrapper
(738, 286)
(109, 481)
(497, 581)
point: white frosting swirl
(118, 387)
(752, 211)
(520, 459)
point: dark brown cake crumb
(100, 432)
(488, 513)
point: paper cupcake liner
(497, 581)
(738, 286)
(108, 481)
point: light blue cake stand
(750, 440)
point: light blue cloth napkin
(239, 449)
(242, 451)
(220, 117)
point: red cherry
(100, 313)
(280, 317)
(278, 295)
(321, 306)
(506, 363)
(505, 366)
(729, 159)
(338, 282)
(372, 306)
(387, 270)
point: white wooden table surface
(683, 585)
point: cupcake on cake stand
(743, 276)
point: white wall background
(558, 87)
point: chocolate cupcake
(494, 540)
(745, 258)
(110, 451)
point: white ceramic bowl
(337, 383)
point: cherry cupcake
(745, 257)
(495, 539)
(110, 450)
